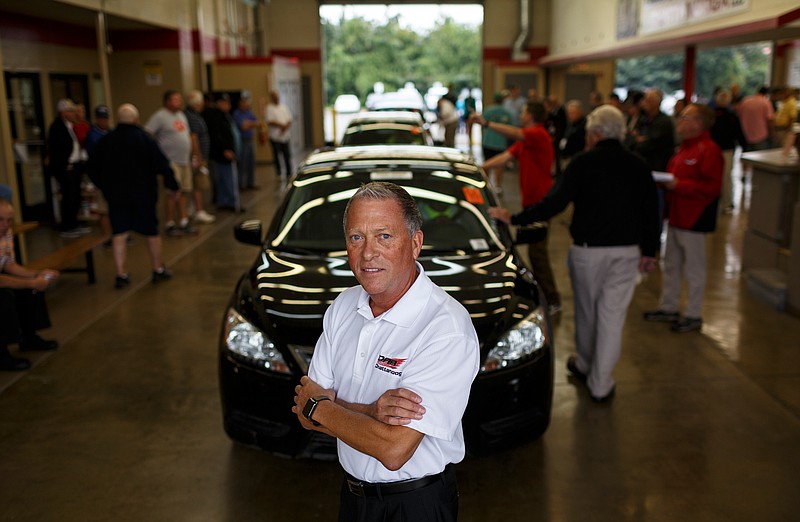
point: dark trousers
(437, 502)
(22, 313)
(282, 150)
(70, 185)
(540, 262)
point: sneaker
(188, 229)
(173, 231)
(122, 281)
(605, 398)
(203, 217)
(661, 316)
(71, 234)
(687, 324)
(162, 274)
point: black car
(274, 317)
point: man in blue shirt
(246, 122)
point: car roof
(388, 157)
(408, 117)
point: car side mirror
(249, 232)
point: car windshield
(453, 207)
(383, 134)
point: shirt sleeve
(321, 370)
(442, 374)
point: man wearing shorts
(125, 166)
(171, 129)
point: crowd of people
(196, 147)
(627, 168)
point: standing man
(392, 371)
(65, 164)
(574, 140)
(279, 121)
(23, 309)
(758, 120)
(171, 130)
(786, 115)
(125, 165)
(614, 231)
(101, 127)
(692, 201)
(247, 123)
(448, 118)
(727, 133)
(654, 134)
(514, 103)
(224, 144)
(493, 142)
(533, 151)
(201, 147)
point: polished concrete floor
(123, 421)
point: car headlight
(245, 339)
(518, 343)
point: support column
(689, 71)
(103, 50)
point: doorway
(28, 135)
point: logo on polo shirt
(389, 365)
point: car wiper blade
(297, 250)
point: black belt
(369, 489)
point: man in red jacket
(692, 200)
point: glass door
(28, 136)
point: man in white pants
(614, 230)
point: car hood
(292, 291)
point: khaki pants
(603, 281)
(685, 255)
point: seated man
(23, 310)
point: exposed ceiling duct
(519, 52)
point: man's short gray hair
(382, 190)
(127, 113)
(194, 97)
(608, 122)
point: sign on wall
(643, 17)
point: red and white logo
(389, 365)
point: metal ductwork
(519, 52)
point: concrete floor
(123, 421)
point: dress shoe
(605, 398)
(10, 363)
(572, 368)
(36, 343)
(161, 275)
(687, 324)
(661, 316)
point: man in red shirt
(533, 150)
(692, 200)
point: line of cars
(274, 316)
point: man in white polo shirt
(391, 373)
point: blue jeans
(247, 164)
(225, 184)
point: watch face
(308, 409)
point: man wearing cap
(64, 163)
(171, 130)
(247, 123)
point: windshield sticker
(473, 195)
(479, 244)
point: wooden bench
(18, 230)
(63, 258)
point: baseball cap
(65, 105)
(222, 96)
(102, 111)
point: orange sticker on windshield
(473, 195)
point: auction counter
(771, 249)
